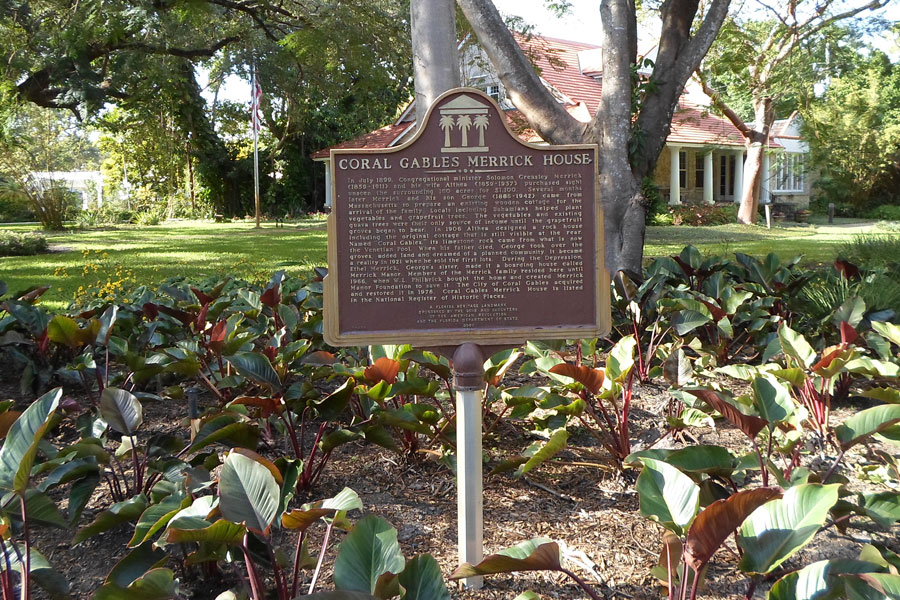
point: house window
(494, 92)
(727, 166)
(790, 174)
(682, 169)
(698, 170)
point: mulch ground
(592, 512)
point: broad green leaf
(620, 359)
(220, 532)
(718, 521)
(64, 330)
(422, 580)
(852, 311)
(539, 554)
(157, 584)
(308, 514)
(872, 367)
(686, 321)
(118, 513)
(795, 345)
(337, 438)
(255, 367)
(888, 330)
(225, 429)
(369, 551)
(818, 581)
(872, 586)
(547, 450)
(778, 529)
(667, 495)
(248, 493)
(883, 507)
(21, 443)
(713, 460)
(677, 368)
(156, 517)
(865, 423)
(885, 394)
(41, 571)
(135, 564)
(107, 322)
(772, 399)
(122, 410)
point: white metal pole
(468, 379)
(468, 475)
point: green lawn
(151, 254)
(131, 254)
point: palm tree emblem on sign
(481, 123)
(447, 126)
(459, 115)
(464, 122)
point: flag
(255, 115)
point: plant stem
(296, 574)
(138, 471)
(764, 473)
(312, 584)
(833, 467)
(255, 587)
(582, 584)
(26, 573)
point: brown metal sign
(465, 234)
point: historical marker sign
(465, 234)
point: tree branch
(723, 107)
(517, 74)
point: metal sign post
(468, 380)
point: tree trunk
(757, 142)
(435, 55)
(619, 126)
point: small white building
(87, 184)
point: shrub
(704, 214)
(872, 251)
(21, 244)
(148, 217)
(886, 212)
(656, 204)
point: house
(703, 158)
(87, 184)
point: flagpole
(255, 126)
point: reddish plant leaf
(385, 369)
(319, 357)
(592, 379)
(6, 421)
(88, 313)
(749, 424)
(271, 297)
(847, 269)
(34, 294)
(848, 333)
(217, 336)
(271, 353)
(182, 316)
(200, 322)
(266, 406)
(716, 311)
(719, 520)
(203, 298)
(827, 359)
(151, 310)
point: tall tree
(854, 132)
(630, 134)
(315, 59)
(768, 60)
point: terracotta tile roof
(562, 71)
(380, 138)
(560, 66)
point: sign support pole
(468, 380)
